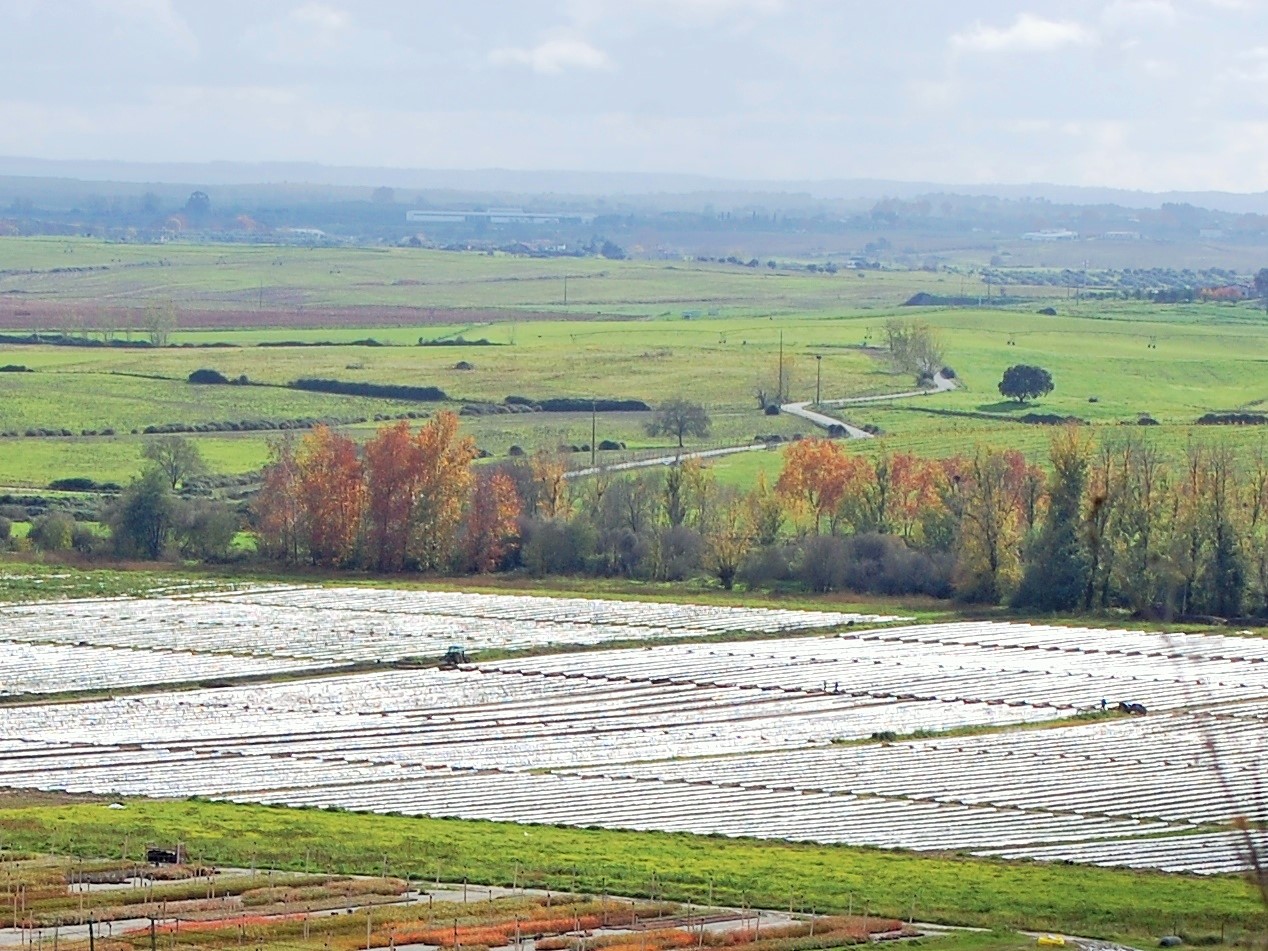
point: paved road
(666, 460)
(941, 384)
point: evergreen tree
(1056, 572)
(142, 518)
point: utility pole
(565, 290)
(818, 375)
(779, 385)
(594, 428)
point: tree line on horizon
(1114, 525)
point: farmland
(630, 330)
(770, 738)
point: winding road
(941, 384)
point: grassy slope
(1207, 357)
(242, 277)
(953, 889)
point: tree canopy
(679, 418)
(1024, 382)
(176, 457)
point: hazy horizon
(1146, 95)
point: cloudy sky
(1152, 94)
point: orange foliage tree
(442, 487)
(492, 521)
(276, 508)
(550, 485)
(416, 485)
(813, 478)
(331, 493)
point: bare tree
(160, 321)
(679, 418)
(176, 457)
(914, 348)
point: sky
(1146, 94)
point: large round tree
(1024, 382)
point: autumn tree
(765, 511)
(391, 472)
(550, 484)
(817, 477)
(991, 506)
(276, 509)
(728, 539)
(416, 484)
(331, 493)
(492, 521)
(444, 479)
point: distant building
(1051, 234)
(1121, 236)
(497, 216)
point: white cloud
(1126, 14)
(551, 57)
(156, 15)
(317, 33)
(322, 17)
(1029, 33)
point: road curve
(941, 384)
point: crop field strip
(984, 662)
(732, 739)
(1166, 762)
(1213, 853)
(107, 643)
(34, 669)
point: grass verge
(946, 888)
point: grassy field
(951, 889)
(97, 277)
(1112, 361)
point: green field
(1112, 361)
(96, 277)
(952, 889)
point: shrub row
(495, 409)
(211, 377)
(457, 342)
(37, 432)
(1232, 419)
(386, 391)
(250, 425)
(364, 342)
(573, 404)
(1050, 419)
(82, 484)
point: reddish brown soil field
(30, 316)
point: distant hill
(312, 180)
